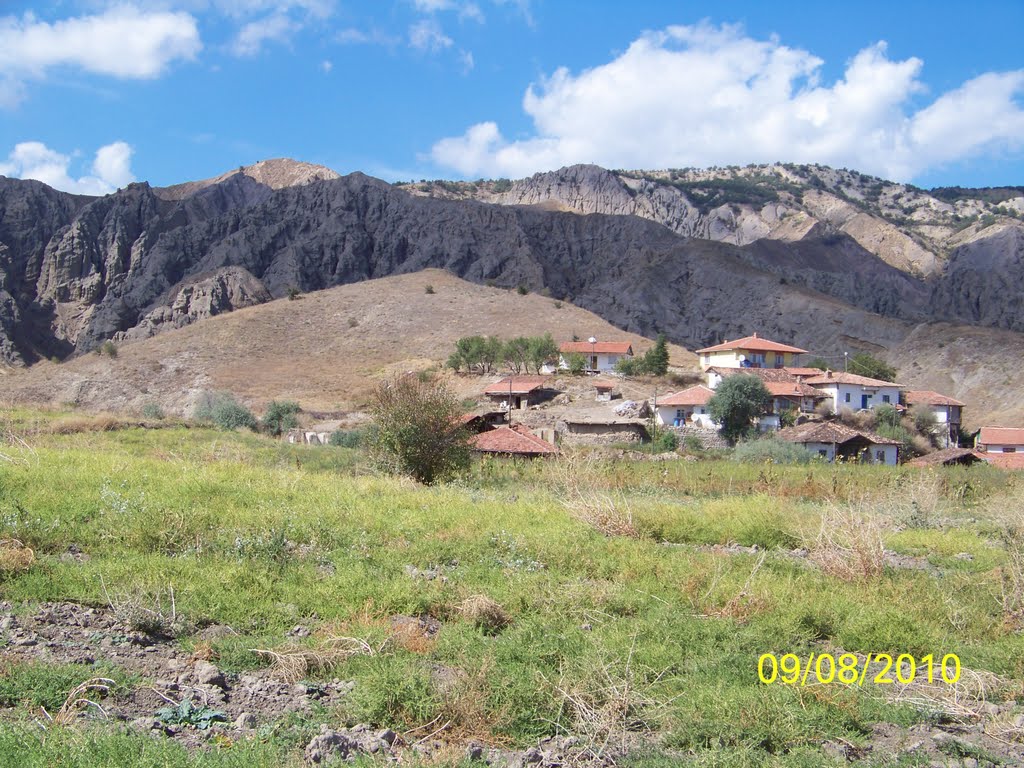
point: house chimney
(755, 334)
(828, 374)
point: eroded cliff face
(797, 259)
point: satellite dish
(742, 358)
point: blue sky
(97, 93)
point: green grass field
(631, 607)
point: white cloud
(121, 42)
(466, 57)
(277, 27)
(466, 9)
(427, 35)
(701, 95)
(326, 66)
(111, 167)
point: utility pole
(654, 418)
(846, 359)
(510, 401)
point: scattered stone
(207, 674)
(246, 721)
(299, 631)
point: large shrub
(771, 450)
(224, 411)
(417, 429)
(280, 417)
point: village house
(686, 408)
(600, 356)
(947, 412)
(858, 393)
(793, 396)
(831, 440)
(750, 352)
(518, 392)
(1000, 440)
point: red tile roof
(697, 395)
(793, 389)
(754, 343)
(842, 377)
(1001, 436)
(829, 432)
(521, 385)
(515, 440)
(600, 347)
(603, 384)
(802, 372)
(1002, 460)
(927, 397)
(765, 374)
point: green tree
(223, 410)
(924, 420)
(540, 350)
(819, 362)
(886, 415)
(516, 353)
(737, 402)
(864, 364)
(656, 358)
(577, 363)
(280, 417)
(628, 366)
(418, 431)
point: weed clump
(485, 613)
(849, 545)
(15, 557)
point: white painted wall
(849, 395)
(605, 361)
(667, 415)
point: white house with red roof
(600, 356)
(948, 412)
(1000, 440)
(858, 393)
(750, 352)
(686, 408)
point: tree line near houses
(486, 354)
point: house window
(847, 397)
(680, 414)
(880, 457)
(1009, 449)
(780, 361)
(823, 453)
(885, 398)
(756, 359)
(707, 359)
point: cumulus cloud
(703, 95)
(277, 27)
(121, 42)
(111, 167)
(427, 35)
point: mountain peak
(275, 173)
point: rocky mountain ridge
(818, 260)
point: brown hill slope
(326, 350)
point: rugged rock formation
(224, 290)
(789, 253)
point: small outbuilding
(831, 441)
(518, 392)
(512, 441)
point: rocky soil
(965, 729)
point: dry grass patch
(76, 701)
(849, 545)
(15, 557)
(578, 474)
(485, 613)
(292, 663)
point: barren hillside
(326, 349)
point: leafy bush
(771, 450)
(223, 410)
(901, 433)
(864, 364)
(107, 348)
(665, 442)
(280, 417)
(152, 411)
(350, 438)
(418, 431)
(502, 185)
(693, 444)
(428, 289)
(187, 713)
(522, 290)
(886, 415)
(924, 419)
